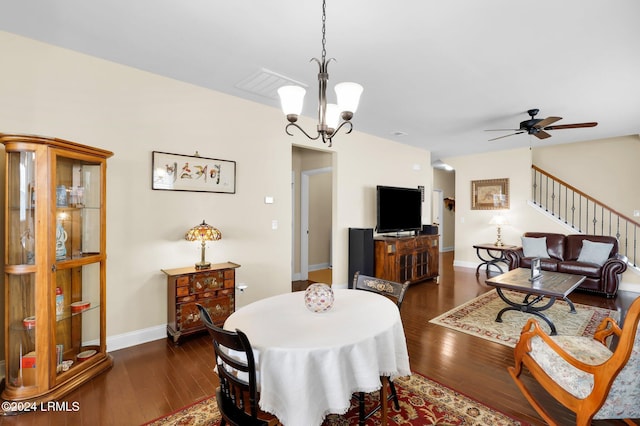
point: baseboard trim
(297, 276)
(319, 266)
(465, 264)
(137, 337)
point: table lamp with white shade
(499, 221)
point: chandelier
(331, 117)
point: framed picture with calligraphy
(176, 172)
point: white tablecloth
(309, 363)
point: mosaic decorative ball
(318, 297)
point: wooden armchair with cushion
(237, 396)
(396, 292)
(581, 372)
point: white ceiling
(440, 71)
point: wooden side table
(490, 255)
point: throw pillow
(593, 252)
(534, 247)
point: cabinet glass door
(21, 199)
(20, 269)
(78, 305)
(78, 204)
(79, 263)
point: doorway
(443, 205)
(312, 196)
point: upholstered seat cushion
(624, 395)
(585, 349)
(547, 264)
(579, 268)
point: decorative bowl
(318, 297)
(85, 355)
(29, 322)
(80, 306)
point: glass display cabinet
(55, 266)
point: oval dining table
(309, 364)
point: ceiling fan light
(291, 99)
(348, 95)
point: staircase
(583, 213)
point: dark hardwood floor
(157, 378)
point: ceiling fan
(538, 126)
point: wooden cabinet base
(99, 365)
(413, 258)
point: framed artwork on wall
(176, 172)
(490, 194)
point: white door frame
(304, 218)
(293, 223)
(437, 211)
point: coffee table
(553, 285)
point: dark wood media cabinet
(410, 258)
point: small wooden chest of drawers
(213, 288)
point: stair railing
(584, 213)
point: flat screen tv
(398, 209)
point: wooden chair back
(395, 291)
(237, 395)
(391, 289)
(205, 317)
(615, 390)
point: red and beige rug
(422, 402)
(478, 318)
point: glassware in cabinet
(55, 261)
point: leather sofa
(564, 255)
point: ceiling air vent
(265, 83)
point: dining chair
(237, 396)
(395, 291)
(582, 373)
(205, 317)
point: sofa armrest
(513, 258)
(612, 269)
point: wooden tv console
(410, 258)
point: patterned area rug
(478, 318)
(422, 402)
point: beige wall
(50, 91)
(614, 162)
(320, 219)
(472, 226)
